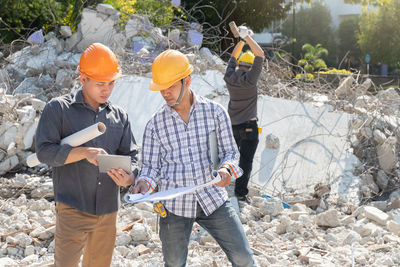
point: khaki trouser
(77, 231)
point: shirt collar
(77, 98)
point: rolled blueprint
(212, 139)
(172, 193)
(74, 140)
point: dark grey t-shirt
(242, 87)
(79, 184)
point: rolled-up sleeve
(48, 137)
(227, 148)
(150, 157)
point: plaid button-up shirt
(177, 154)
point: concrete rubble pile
(298, 236)
(313, 234)
(374, 131)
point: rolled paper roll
(74, 140)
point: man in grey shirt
(86, 200)
(242, 86)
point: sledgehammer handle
(234, 29)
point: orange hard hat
(99, 63)
(169, 67)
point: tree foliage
(348, 49)
(312, 60)
(380, 34)
(312, 26)
(22, 17)
(215, 16)
(256, 14)
(368, 2)
(160, 12)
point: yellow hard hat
(246, 59)
(99, 63)
(169, 67)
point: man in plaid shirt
(176, 153)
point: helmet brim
(97, 78)
(245, 64)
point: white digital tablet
(108, 162)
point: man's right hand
(91, 154)
(140, 187)
(88, 153)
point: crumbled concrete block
(194, 38)
(123, 239)
(344, 89)
(23, 239)
(382, 179)
(328, 218)
(376, 215)
(28, 86)
(352, 237)
(134, 26)
(395, 204)
(142, 249)
(11, 149)
(139, 232)
(63, 79)
(174, 35)
(96, 28)
(30, 260)
(29, 250)
(106, 9)
(66, 31)
(393, 227)
(272, 141)
(379, 136)
(206, 54)
(72, 41)
(387, 154)
(8, 164)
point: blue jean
(223, 225)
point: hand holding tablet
(108, 162)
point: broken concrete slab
(65, 31)
(8, 164)
(107, 9)
(90, 26)
(387, 154)
(345, 87)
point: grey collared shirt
(80, 184)
(242, 87)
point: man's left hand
(225, 177)
(120, 177)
